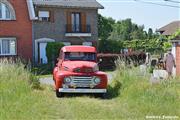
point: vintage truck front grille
(82, 81)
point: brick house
(72, 22)
(168, 30)
(27, 25)
(15, 29)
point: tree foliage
(110, 46)
(175, 35)
(105, 27)
(126, 30)
(147, 45)
(118, 35)
(150, 33)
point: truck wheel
(58, 94)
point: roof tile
(170, 28)
(69, 3)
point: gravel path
(49, 80)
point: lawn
(130, 97)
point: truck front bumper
(68, 90)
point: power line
(172, 1)
(165, 5)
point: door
(42, 53)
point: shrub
(52, 50)
(43, 69)
(34, 81)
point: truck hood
(72, 65)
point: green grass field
(130, 97)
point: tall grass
(130, 97)
(17, 99)
(142, 98)
(14, 71)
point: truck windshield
(82, 56)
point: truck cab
(77, 71)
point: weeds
(130, 97)
(15, 71)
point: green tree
(150, 33)
(110, 46)
(125, 34)
(105, 27)
(126, 30)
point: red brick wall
(21, 28)
(178, 60)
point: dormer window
(44, 16)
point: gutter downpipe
(32, 17)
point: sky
(142, 12)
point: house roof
(69, 3)
(170, 28)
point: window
(75, 22)
(5, 13)
(44, 16)
(7, 46)
(80, 56)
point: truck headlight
(67, 80)
(97, 80)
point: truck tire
(58, 94)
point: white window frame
(3, 11)
(44, 14)
(9, 38)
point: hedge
(52, 51)
(108, 59)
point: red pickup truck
(77, 72)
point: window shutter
(51, 16)
(69, 24)
(83, 22)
